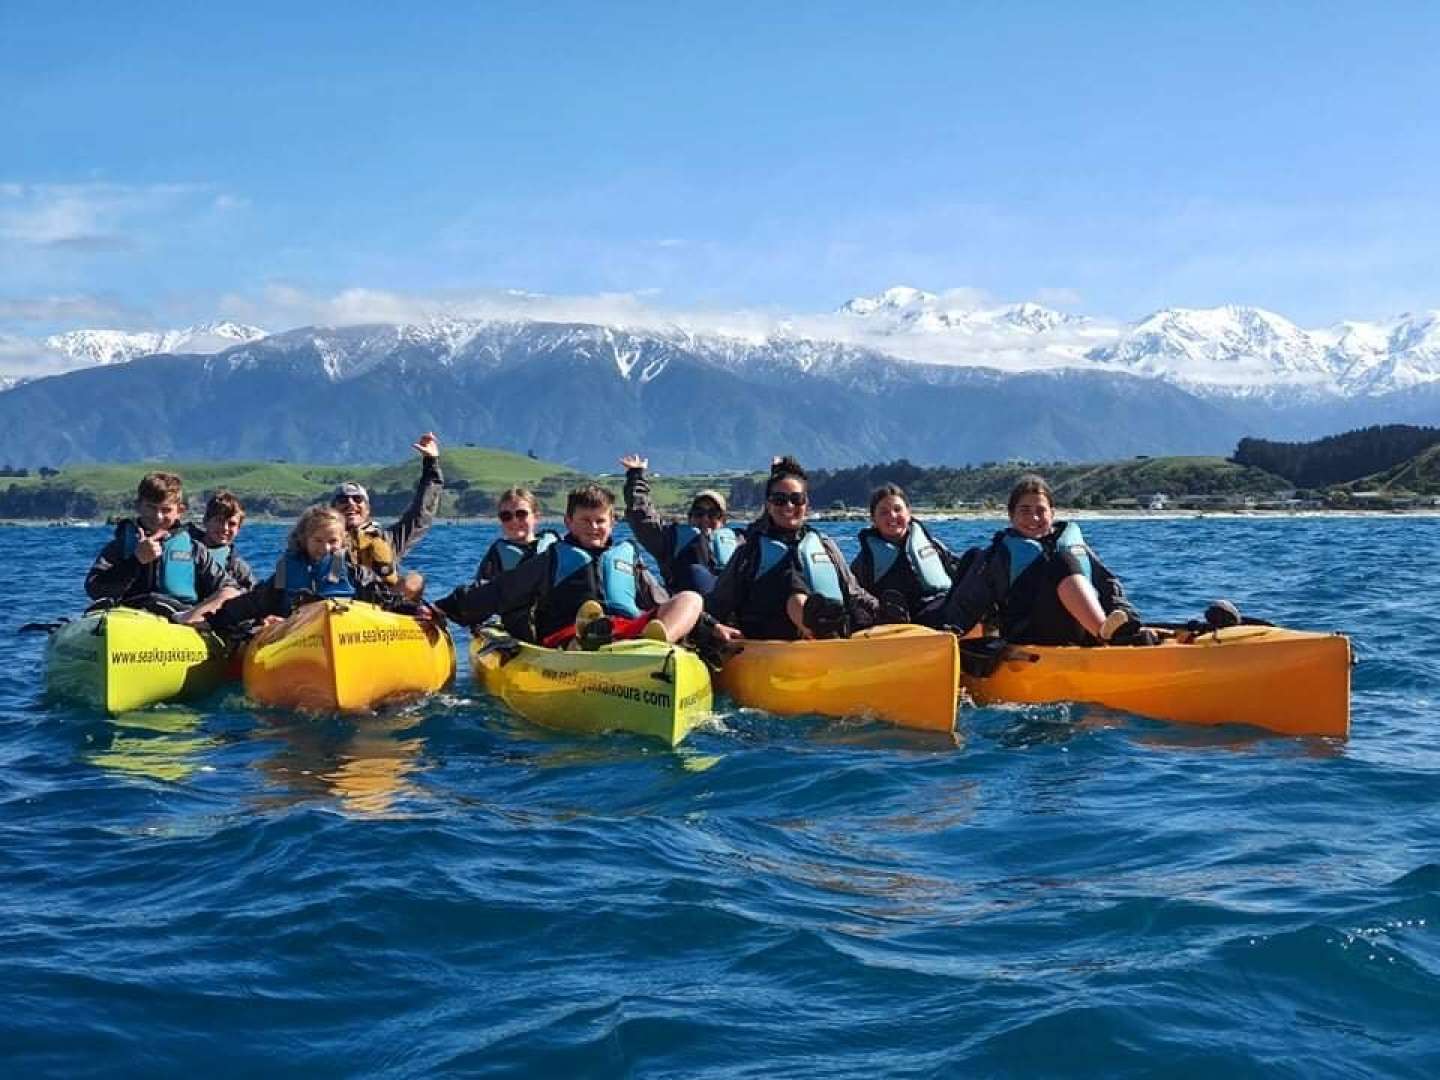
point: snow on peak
(1224, 348)
(906, 310)
(898, 298)
(96, 347)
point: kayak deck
(346, 656)
(122, 659)
(1293, 682)
(907, 675)
(644, 687)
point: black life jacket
(920, 552)
(691, 546)
(1031, 612)
(577, 575)
(510, 554)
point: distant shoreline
(920, 513)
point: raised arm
(640, 512)
(420, 515)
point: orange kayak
(346, 656)
(1294, 682)
(908, 675)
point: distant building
(1158, 501)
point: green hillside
(1418, 476)
(472, 475)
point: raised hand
(634, 461)
(427, 445)
(151, 547)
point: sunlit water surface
(221, 890)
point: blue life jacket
(919, 549)
(176, 573)
(512, 554)
(618, 592)
(815, 562)
(723, 542)
(329, 578)
(221, 554)
(1024, 551)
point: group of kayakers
(1038, 581)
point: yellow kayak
(346, 656)
(905, 674)
(122, 658)
(646, 687)
(1293, 682)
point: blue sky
(167, 163)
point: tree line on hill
(1392, 457)
(1338, 459)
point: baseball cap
(714, 496)
(350, 488)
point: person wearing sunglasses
(518, 542)
(690, 553)
(899, 562)
(586, 586)
(789, 581)
(378, 549)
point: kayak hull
(123, 659)
(1293, 682)
(346, 656)
(906, 675)
(645, 687)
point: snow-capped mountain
(1372, 358)
(94, 347)
(1230, 349)
(1243, 352)
(903, 309)
(1231, 353)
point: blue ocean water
(448, 890)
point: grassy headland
(475, 476)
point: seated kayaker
(379, 549)
(317, 565)
(544, 595)
(518, 513)
(690, 554)
(1040, 582)
(788, 581)
(223, 517)
(154, 562)
(901, 564)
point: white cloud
(75, 309)
(284, 305)
(97, 216)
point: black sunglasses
(793, 498)
(706, 512)
(506, 515)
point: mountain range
(902, 374)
